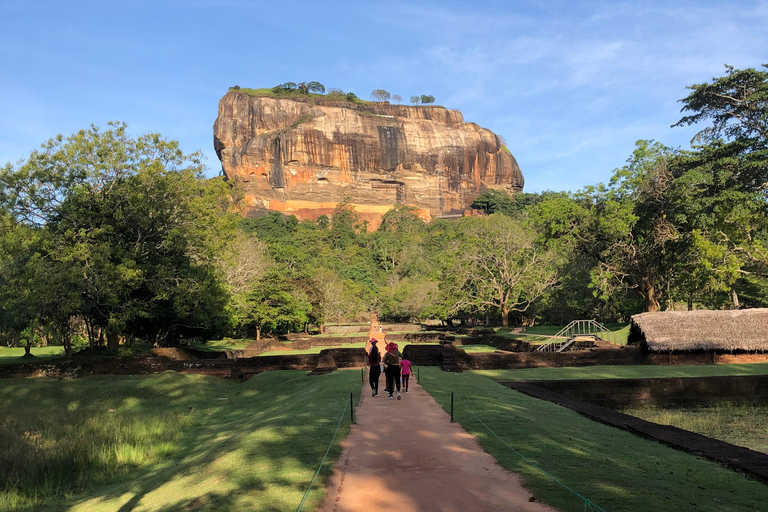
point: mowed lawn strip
(9, 355)
(614, 469)
(628, 371)
(251, 446)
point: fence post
(418, 375)
(351, 409)
(362, 375)
(451, 406)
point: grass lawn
(223, 344)
(252, 446)
(740, 424)
(313, 350)
(614, 469)
(13, 355)
(474, 349)
(627, 371)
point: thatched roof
(744, 329)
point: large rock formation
(302, 156)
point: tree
(283, 88)
(316, 87)
(276, 305)
(245, 262)
(397, 98)
(721, 183)
(380, 95)
(426, 99)
(737, 105)
(500, 267)
(136, 221)
(332, 301)
(415, 100)
(626, 229)
(493, 201)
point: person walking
(405, 372)
(374, 368)
(392, 364)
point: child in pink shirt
(405, 371)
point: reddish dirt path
(406, 456)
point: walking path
(406, 456)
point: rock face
(302, 156)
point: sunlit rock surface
(302, 156)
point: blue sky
(570, 85)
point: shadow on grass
(258, 449)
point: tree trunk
(113, 340)
(651, 299)
(28, 349)
(67, 342)
(690, 303)
(504, 315)
(735, 299)
(258, 334)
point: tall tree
(500, 267)
(137, 221)
(722, 180)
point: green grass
(613, 468)
(13, 355)
(313, 350)
(627, 371)
(252, 446)
(223, 344)
(475, 349)
(740, 424)
(620, 333)
(340, 335)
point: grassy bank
(614, 469)
(740, 424)
(173, 442)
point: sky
(570, 85)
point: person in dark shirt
(374, 368)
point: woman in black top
(374, 368)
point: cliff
(302, 156)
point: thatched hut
(734, 331)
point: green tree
(427, 99)
(495, 201)
(316, 87)
(275, 305)
(736, 103)
(722, 181)
(139, 224)
(625, 228)
(415, 100)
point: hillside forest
(105, 237)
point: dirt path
(406, 456)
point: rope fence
(348, 404)
(588, 504)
